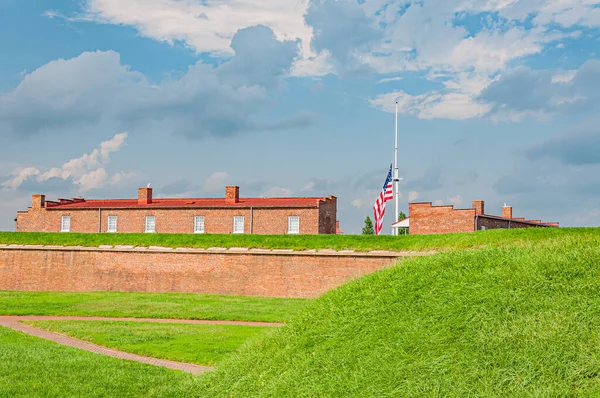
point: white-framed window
(238, 224)
(150, 224)
(199, 224)
(65, 224)
(112, 224)
(293, 225)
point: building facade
(229, 215)
(428, 219)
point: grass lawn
(199, 344)
(299, 242)
(517, 321)
(151, 305)
(32, 367)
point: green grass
(199, 344)
(32, 367)
(298, 242)
(516, 321)
(150, 305)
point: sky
(498, 100)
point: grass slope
(298, 242)
(32, 367)
(150, 305)
(199, 344)
(518, 321)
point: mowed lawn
(32, 367)
(151, 305)
(199, 344)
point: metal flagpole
(396, 179)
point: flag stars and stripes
(387, 193)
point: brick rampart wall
(232, 272)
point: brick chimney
(38, 201)
(507, 211)
(144, 196)
(478, 205)
(232, 194)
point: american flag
(387, 193)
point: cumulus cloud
(539, 91)
(206, 100)
(86, 172)
(344, 30)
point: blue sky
(499, 100)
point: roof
(183, 203)
(402, 223)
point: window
(483, 227)
(293, 225)
(199, 224)
(150, 224)
(112, 224)
(65, 224)
(238, 224)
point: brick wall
(495, 223)
(254, 273)
(216, 220)
(328, 215)
(428, 219)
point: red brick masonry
(277, 273)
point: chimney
(506, 211)
(232, 194)
(38, 201)
(478, 205)
(144, 196)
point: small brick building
(231, 214)
(428, 219)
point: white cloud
(413, 195)
(122, 177)
(86, 172)
(308, 187)
(205, 25)
(92, 180)
(18, 176)
(390, 79)
(432, 105)
(277, 192)
(564, 77)
(216, 181)
(455, 200)
(357, 203)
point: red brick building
(428, 219)
(231, 214)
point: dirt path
(14, 322)
(157, 320)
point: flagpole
(396, 179)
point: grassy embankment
(151, 305)
(199, 344)
(507, 321)
(299, 242)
